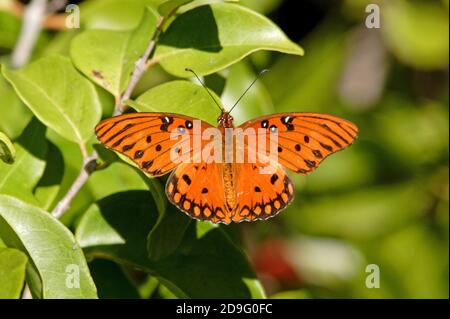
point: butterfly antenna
(207, 90)
(256, 78)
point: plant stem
(89, 166)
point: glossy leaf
(182, 97)
(107, 57)
(7, 150)
(56, 259)
(59, 96)
(224, 34)
(205, 251)
(12, 272)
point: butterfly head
(225, 120)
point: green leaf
(59, 96)
(14, 115)
(113, 14)
(54, 254)
(167, 234)
(7, 150)
(12, 272)
(111, 281)
(181, 97)
(219, 35)
(168, 7)
(20, 178)
(206, 264)
(107, 57)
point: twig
(90, 163)
(139, 68)
(89, 166)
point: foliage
(383, 201)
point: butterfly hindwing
(305, 139)
(146, 138)
(261, 193)
(198, 190)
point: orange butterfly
(225, 192)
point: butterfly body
(228, 190)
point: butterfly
(225, 192)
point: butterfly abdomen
(229, 185)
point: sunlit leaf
(107, 57)
(181, 97)
(113, 14)
(12, 272)
(58, 268)
(59, 96)
(221, 34)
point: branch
(89, 166)
(90, 162)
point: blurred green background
(383, 201)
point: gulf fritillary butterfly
(227, 192)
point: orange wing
(305, 139)
(261, 195)
(146, 138)
(198, 190)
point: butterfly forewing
(146, 138)
(304, 140)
